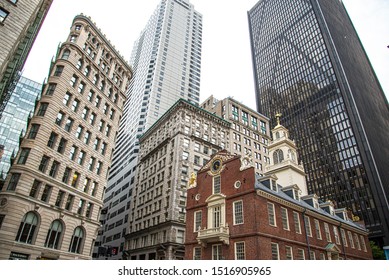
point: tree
(378, 252)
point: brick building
(232, 213)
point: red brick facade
(255, 237)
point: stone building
(250, 131)
(52, 196)
(171, 152)
(20, 21)
(232, 213)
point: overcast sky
(226, 68)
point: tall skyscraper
(14, 120)
(51, 200)
(166, 60)
(20, 21)
(310, 66)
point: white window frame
(308, 227)
(297, 224)
(317, 229)
(240, 252)
(197, 253)
(216, 184)
(327, 231)
(275, 251)
(198, 215)
(285, 218)
(238, 215)
(217, 252)
(271, 214)
(289, 252)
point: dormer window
(296, 194)
(273, 185)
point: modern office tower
(166, 62)
(13, 123)
(53, 194)
(171, 153)
(310, 66)
(249, 134)
(20, 21)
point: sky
(226, 67)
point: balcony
(214, 235)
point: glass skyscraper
(310, 66)
(166, 60)
(14, 119)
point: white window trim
(236, 251)
(272, 213)
(285, 211)
(234, 214)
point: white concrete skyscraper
(166, 61)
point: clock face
(216, 165)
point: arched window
(65, 54)
(79, 64)
(54, 235)
(77, 240)
(278, 156)
(27, 228)
(277, 135)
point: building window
(216, 184)
(300, 254)
(217, 252)
(46, 193)
(94, 188)
(75, 105)
(27, 228)
(69, 202)
(99, 166)
(73, 80)
(81, 87)
(59, 119)
(35, 188)
(33, 131)
(285, 219)
(66, 175)
(58, 70)
(238, 212)
(73, 152)
(65, 54)
(363, 243)
(275, 255)
(197, 220)
(24, 155)
(43, 164)
(216, 216)
(322, 256)
(50, 89)
(336, 234)
(239, 251)
(75, 179)
(357, 241)
(77, 240)
(54, 235)
(197, 253)
(308, 228)
(3, 14)
(317, 229)
(54, 169)
(66, 98)
(278, 156)
(81, 204)
(271, 214)
(87, 135)
(297, 225)
(343, 235)
(312, 255)
(89, 209)
(62, 145)
(59, 200)
(288, 253)
(52, 140)
(81, 157)
(42, 109)
(327, 232)
(68, 124)
(13, 182)
(92, 118)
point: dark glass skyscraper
(310, 66)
